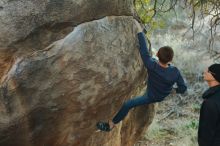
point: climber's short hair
(165, 54)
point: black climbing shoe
(103, 126)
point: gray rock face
(40, 22)
(30, 25)
(57, 81)
(56, 96)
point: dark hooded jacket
(209, 122)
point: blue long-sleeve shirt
(160, 79)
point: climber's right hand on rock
(137, 24)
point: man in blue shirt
(161, 78)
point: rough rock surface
(53, 96)
(30, 25)
(38, 22)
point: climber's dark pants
(137, 101)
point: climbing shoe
(103, 126)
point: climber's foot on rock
(104, 126)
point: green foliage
(193, 124)
(196, 107)
(157, 13)
(147, 14)
(151, 14)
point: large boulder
(63, 67)
(30, 25)
(40, 22)
(55, 96)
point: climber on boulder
(161, 78)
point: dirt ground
(175, 122)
